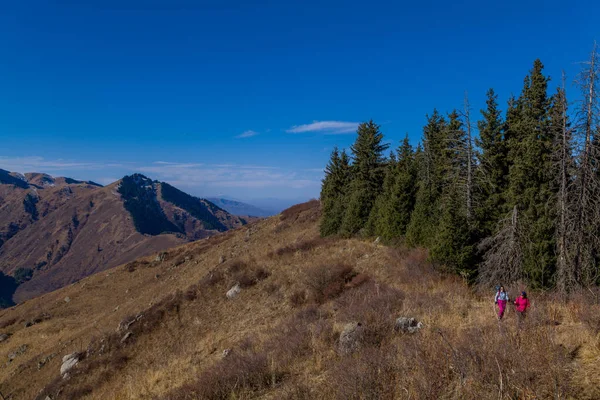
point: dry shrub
(213, 278)
(271, 288)
(191, 293)
(375, 306)
(298, 298)
(304, 212)
(585, 307)
(295, 338)
(280, 227)
(236, 266)
(7, 323)
(232, 377)
(301, 246)
(327, 282)
(246, 275)
(372, 374)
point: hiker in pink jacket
(521, 306)
(501, 299)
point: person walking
(501, 299)
(521, 306)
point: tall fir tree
(493, 166)
(368, 173)
(333, 192)
(432, 178)
(395, 205)
(531, 184)
(453, 245)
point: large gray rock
(351, 338)
(234, 291)
(407, 325)
(68, 362)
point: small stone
(221, 259)
(234, 291)
(4, 337)
(226, 353)
(68, 362)
(377, 240)
(67, 299)
(127, 336)
(407, 325)
(351, 337)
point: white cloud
(326, 127)
(228, 176)
(39, 164)
(247, 134)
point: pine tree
(368, 172)
(333, 191)
(432, 178)
(453, 245)
(531, 184)
(493, 165)
(394, 207)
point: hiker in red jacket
(521, 306)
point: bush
(374, 305)
(23, 275)
(302, 246)
(327, 282)
(233, 376)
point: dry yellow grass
(462, 352)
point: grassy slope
(461, 353)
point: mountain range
(55, 231)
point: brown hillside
(78, 229)
(157, 328)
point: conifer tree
(453, 244)
(368, 172)
(432, 178)
(531, 184)
(493, 165)
(397, 200)
(333, 192)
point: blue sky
(247, 98)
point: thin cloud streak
(247, 134)
(39, 164)
(326, 127)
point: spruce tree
(531, 184)
(432, 177)
(368, 172)
(333, 192)
(453, 245)
(396, 203)
(493, 165)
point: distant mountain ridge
(55, 231)
(240, 208)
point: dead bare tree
(470, 159)
(586, 202)
(503, 253)
(564, 163)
